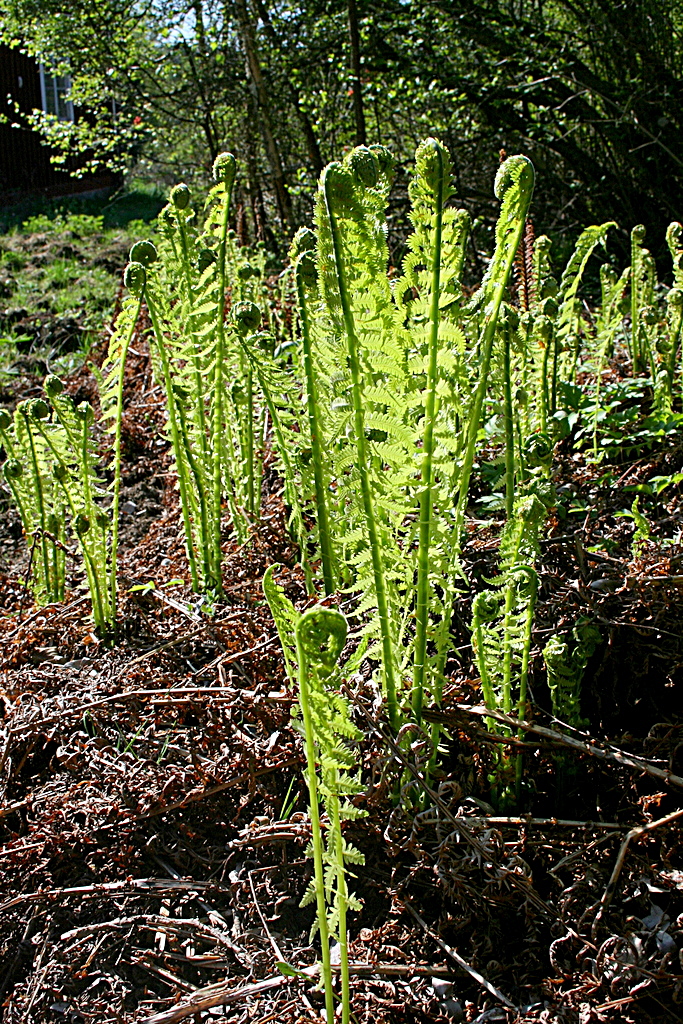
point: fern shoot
(111, 386)
(312, 643)
(433, 178)
(305, 272)
(502, 621)
(514, 187)
(337, 187)
(224, 175)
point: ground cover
(60, 266)
(154, 818)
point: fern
(111, 382)
(565, 663)
(502, 620)
(514, 187)
(214, 429)
(52, 471)
(343, 196)
(313, 643)
(568, 337)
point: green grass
(60, 268)
(141, 203)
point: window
(54, 90)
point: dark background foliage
(591, 90)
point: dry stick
(127, 886)
(80, 709)
(220, 995)
(604, 753)
(190, 798)
(150, 921)
(4, 811)
(274, 946)
(41, 611)
(193, 798)
(215, 917)
(178, 640)
(491, 989)
(568, 823)
(225, 659)
(635, 833)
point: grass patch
(60, 269)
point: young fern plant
(340, 201)
(565, 663)
(502, 621)
(111, 379)
(390, 377)
(305, 276)
(26, 472)
(313, 643)
(514, 186)
(52, 471)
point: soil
(153, 823)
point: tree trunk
(284, 202)
(355, 76)
(312, 146)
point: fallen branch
(221, 994)
(635, 833)
(604, 753)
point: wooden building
(25, 167)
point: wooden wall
(25, 166)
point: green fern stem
(674, 334)
(250, 458)
(509, 422)
(509, 232)
(321, 488)
(40, 504)
(199, 404)
(206, 534)
(524, 670)
(176, 439)
(98, 561)
(342, 899)
(11, 453)
(427, 468)
(117, 454)
(388, 665)
(23, 513)
(57, 590)
(479, 620)
(90, 566)
(635, 355)
(224, 169)
(475, 414)
(314, 806)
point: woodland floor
(153, 812)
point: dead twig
(605, 753)
(479, 978)
(635, 833)
(221, 994)
(127, 886)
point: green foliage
(565, 662)
(59, 276)
(641, 532)
(502, 620)
(51, 470)
(313, 643)
(396, 379)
